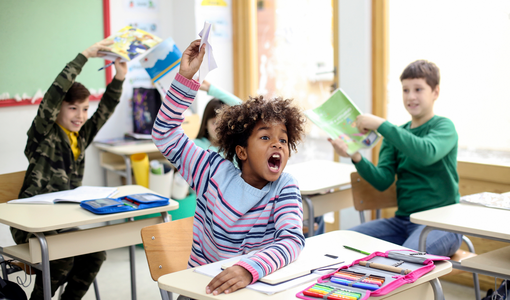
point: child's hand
(229, 281)
(341, 148)
(367, 122)
(92, 51)
(120, 69)
(205, 86)
(191, 59)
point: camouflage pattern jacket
(52, 166)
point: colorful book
(162, 64)
(337, 117)
(129, 42)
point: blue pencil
(106, 66)
(365, 286)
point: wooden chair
(366, 197)
(11, 184)
(168, 247)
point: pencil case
(125, 203)
(374, 275)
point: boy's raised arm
(424, 151)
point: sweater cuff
(192, 84)
(80, 59)
(384, 127)
(254, 273)
(116, 84)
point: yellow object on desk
(140, 163)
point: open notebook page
(70, 196)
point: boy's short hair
(77, 93)
(236, 123)
(422, 69)
(209, 112)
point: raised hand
(229, 281)
(367, 122)
(192, 59)
(93, 51)
(120, 69)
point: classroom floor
(114, 280)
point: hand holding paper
(192, 57)
(209, 63)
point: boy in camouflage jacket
(55, 149)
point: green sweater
(52, 166)
(424, 160)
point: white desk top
(193, 284)
(45, 217)
(128, 149)
(317, 176)
(467, 218)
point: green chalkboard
(39, 37)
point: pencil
(354, 249)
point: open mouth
(274, 162)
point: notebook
(307, 262)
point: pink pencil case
(358, 282)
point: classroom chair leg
(438, 290)
(96, 289)
(166, 295)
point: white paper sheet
(215, 268)
(208, 64)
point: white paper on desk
(215, 268)
(74, 196)
(208, 64)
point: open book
(337, 117)
(70, 196)
(129, 43)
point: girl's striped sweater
(232, 217)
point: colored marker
(354, 249)
(354, 279)
(365, 286)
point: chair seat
(459, 256)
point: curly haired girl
(256, 207)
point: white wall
(355, 69)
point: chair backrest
(366, 197)
(10, 185)
(168, 246)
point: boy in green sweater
(56, 143)
(423, 155)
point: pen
(106, 66)
(353, 249)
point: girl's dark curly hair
(236, 123)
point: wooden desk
(471, 220)
(192, 284)
(40, 218)
(325, 186)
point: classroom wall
(177, 19)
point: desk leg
(45, 265)
(422, 246)
(311, 214)
(165, 216)
(438, 290)
(127, 161)
(133, 268)
(422, 242)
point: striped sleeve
(289, 239)
(169, 137)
